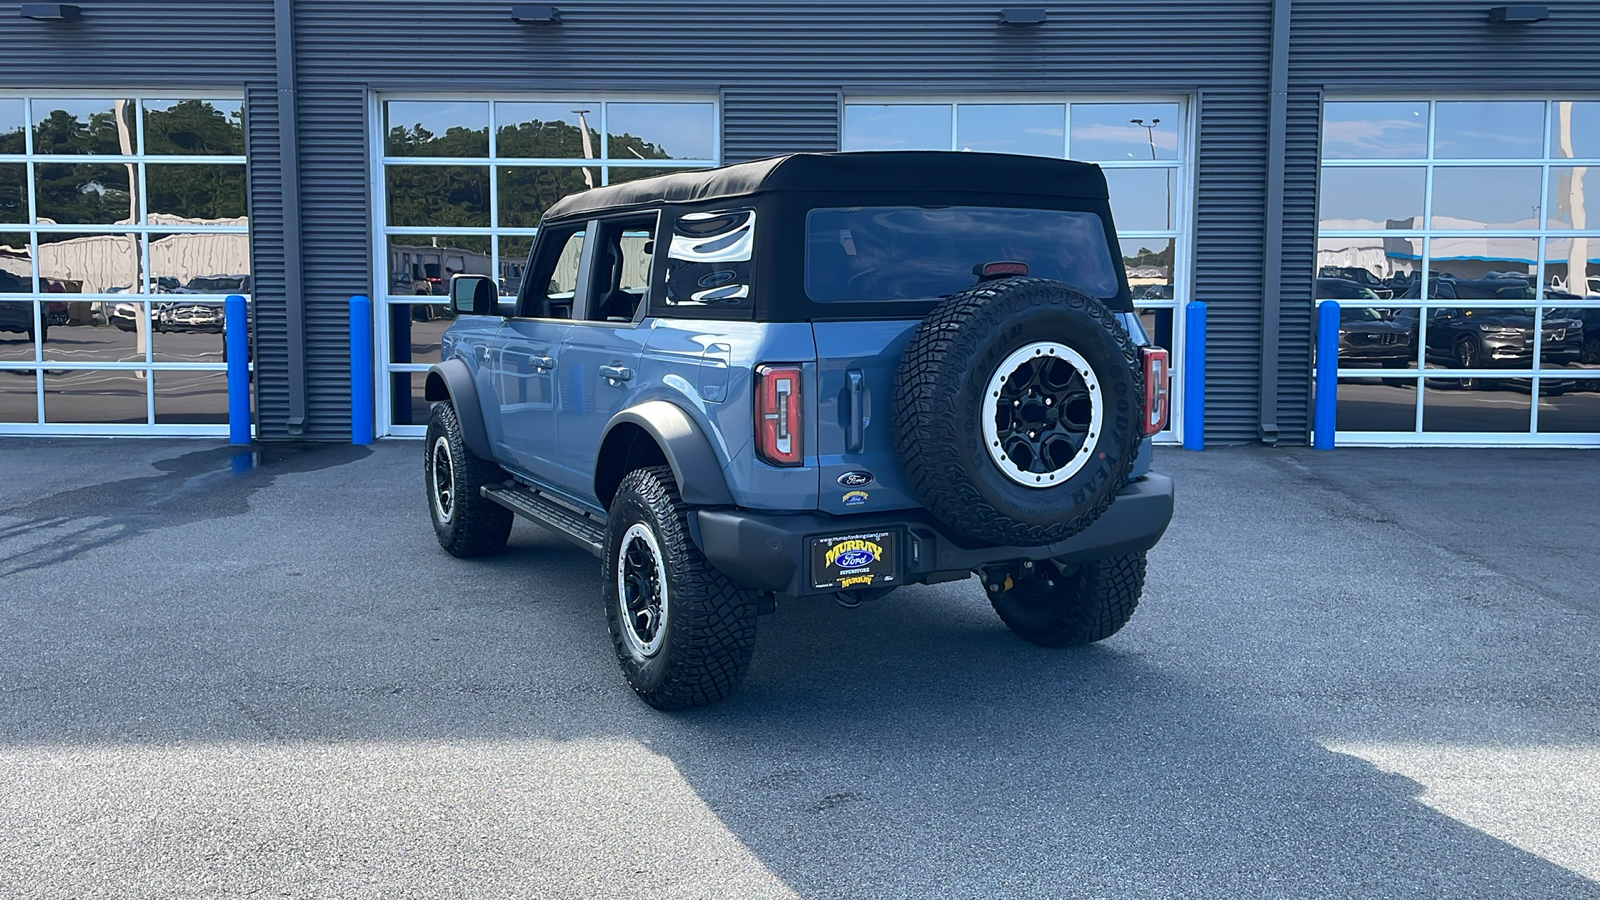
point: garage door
(463, 184)
(1142, 145)
(1462, 241)
(122, 229)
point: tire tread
(712, 622)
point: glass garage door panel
(463, 186)
(1141, 147)
(1463, 230)
(123, 228)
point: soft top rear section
(997, 174)
(783, 190)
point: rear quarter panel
(706, 367)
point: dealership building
(1425, 163)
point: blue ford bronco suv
(812, 375)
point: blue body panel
(856, 363)
(546, 403)
(707, 367)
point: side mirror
(474, 295)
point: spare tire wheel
(1017, 411)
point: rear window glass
(923, 253)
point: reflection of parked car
(1366, 336)
(204, 315)
(1358, 275)
(1482, 338)
(17, 315)
(220, 284)
(125, 316)
(1589, 318)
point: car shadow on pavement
(192, 487)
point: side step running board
(582, 529)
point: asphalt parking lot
(1366, 673)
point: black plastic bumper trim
(767, 551)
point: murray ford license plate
(853, 560)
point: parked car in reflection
(17, 315)
(1589, 318)
(220, 284)
(198, 315)
(1477, 338)
(125, 316)
(1366, 334)
(1464, 337)
(1360, 276)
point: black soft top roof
(897, 171)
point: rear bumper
(770, 552)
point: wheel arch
(660, 432)
(451, 381)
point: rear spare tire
(1017, 411)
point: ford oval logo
(855, 479)
(718, 278)
(854, 559)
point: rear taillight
(1157, 389)
(778, 415)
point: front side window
(866, 254)
(554, 285)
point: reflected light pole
(1149, 133)
(588, 148)
(120, 109)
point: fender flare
(701, 481)
(451, 380)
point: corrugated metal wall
(266, 251)
(1441, 46)
(1296, 285)
(767, 121)
(132, 44)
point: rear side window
(709, 259)
(924, 253)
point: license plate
(864, 559)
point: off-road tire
(473, 525)
(708, 625)
(940, 390)
(1068, 606)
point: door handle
(616, 373)
(543, 363)
(856, 438)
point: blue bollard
(1327, 380)
(236, 341)
(1194, 375)
(363, 411)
